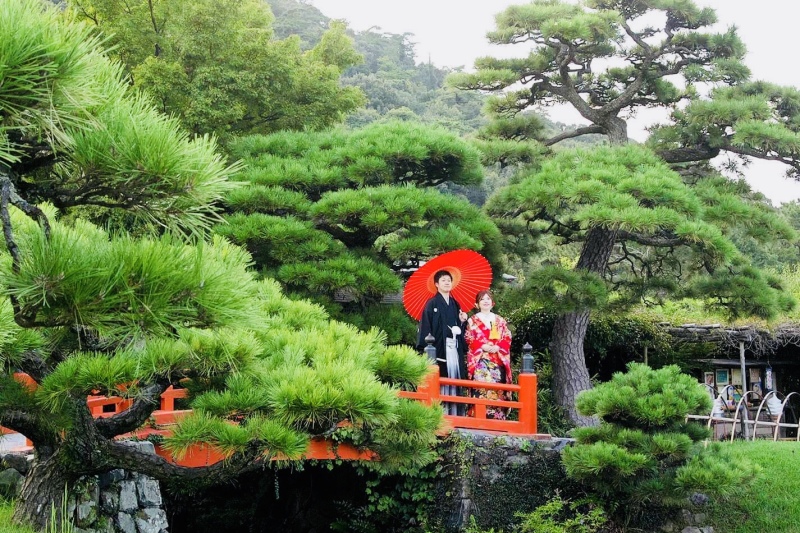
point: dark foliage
(612, 341)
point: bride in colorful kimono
(489, 352)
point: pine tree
(87, 310)
(644, 234)
(606, 59)
(339, 214)
(645, 456)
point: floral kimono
(489, 367)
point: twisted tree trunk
(89, 448)
(43, 492)
(570, 374)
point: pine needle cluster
(671, 237)
(115, 315)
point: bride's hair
(482, 294)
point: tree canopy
(338, 214)
(665, 230)
(606, 59)
(643, 234)
(755, 119)
(571, 45)
(218, 67)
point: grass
(771, 502)
(6, 509)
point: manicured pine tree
(661, 237)
(606, 59)
(645, 458)
(340, 213)
(86, 310)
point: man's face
(444, 284)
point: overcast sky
(452, 33)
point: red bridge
(523, 409)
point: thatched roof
(757, 341)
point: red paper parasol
(471, 274)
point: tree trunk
(616, 131)
(570, 375)
(42, 495)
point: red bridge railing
(428, 392)
(525, 404)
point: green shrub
(562, 516)
(644, 454)
(555, 516)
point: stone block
(109, 501)
(125, 523)
(86, 514)
(127, 496)
(18, 462)
(10, 483)
(151, 520)
(109, 478)
(149, 492)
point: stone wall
(484, 477)
(115, 502)
(489, 477)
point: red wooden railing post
(433, 384)
(527, 397)
(24, 379)
(168, 400)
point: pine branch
(8, 195)
(129, 458)
(688, 154)
(134, 417)
(34, 365)
(649, 240)
(762, 154)
(574, 133)
(28, 425)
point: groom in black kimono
(443, 318)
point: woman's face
(485, 304)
